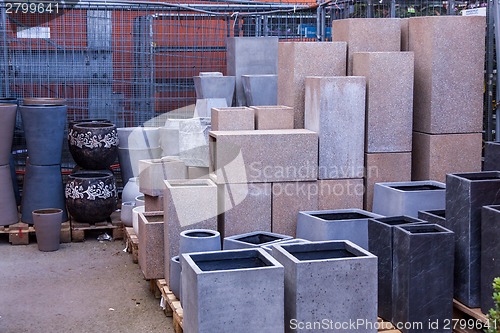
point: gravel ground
(83, 287)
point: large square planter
(334, 280)
(338, 224)
(232, 291)
(380, 243)
(433, 216)
(151, 250)
(490, 254)
(466, 194)
(423, 277)
(253, 239)
(407, 198)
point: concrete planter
(269, 248)
(260, 89)
(152, 173)
(491, 156)
(126, 213)
(466, 194)
(169, 137)
(138, 137)
(199, 240)
(490, 254)
(335, 280)
(246, 286)
(253, 240)
(407, 198)
(433, 216)
(423, 276)
(215, 86)
(193, 141)
(339, 224)
(175, 276)
(151, 251)
(380, 243)
(129, 159)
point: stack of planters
(91, 194)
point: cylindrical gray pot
(94, 145)
(126, 213)
(91, 195)
(131, 189)
(7, 198)
(175, 276)
(48, 228)
(139, 200)
(7, 124)
(42, 188)
(44, 130)
(44, 101)
(199, 240)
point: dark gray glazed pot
(93, 145)
(91, 196)
(44, 130)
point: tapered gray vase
(48, 228)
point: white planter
(138, 137)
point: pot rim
(47, 211)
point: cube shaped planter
(407, 198)
(433, 216)
(260, 89)
(380, 243)
(233, 119)
(423, 276)
(215, 86)
(269, 248)
(232, 291)
(466, 194)
(336, 280)
(338, 224)
(151, 248)
(152, 172)
(490, 254)
(253, 240)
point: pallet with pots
(20, 233)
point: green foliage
(494, 314)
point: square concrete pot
(253, 240)
(466, 194)
(260, 89)
(151, 251)
(193, 141)
(407, 198)
(334, 281)
(490, 254)
(215, 86)
(433, 216)
(269, 248)
(380, 243)
(423, 277)
(233, 119)
(152, 172)
(272, 117)
(232, 291)
(338, 224)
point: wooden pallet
(387, 327)
(172, 305)
(78, 230)
(132, 244)
(19, 233)
(462, 312)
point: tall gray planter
(380, 243)
(253, 239)
(433, 216)
(260, 89)
(423, 277)
(407, 198)
(466, 193)
(490, 254)
(335, 280)
(232, 291)
(339, 224)
(215, 86)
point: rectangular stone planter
(250, 55)
(238, 204)
(151, 250)
(253, 239)
(198, 173)
(339, 224)
(233, 119)
(466, 194)
(423, 277)
(491, 156)
(214, 85)
(439, 44)
(380, 243)
(294, 64)
(188, 204)
(335, 109)
(433, 216)
(260, 89)
(340, 194)
(382, 168)
(263, 156)
(408, 198)
(435, 155)
(333, 281)
(389, 101)
(152, 173)
(232, 291)
(367, 35)
(270, 117)
(490, 254)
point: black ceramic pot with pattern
(93, 145)
(91, 196)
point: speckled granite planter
(245, 285)
(407, 198)
(253, 240)
(338, 224)
(336, 280)
(151, 250)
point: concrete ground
(83, 287)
